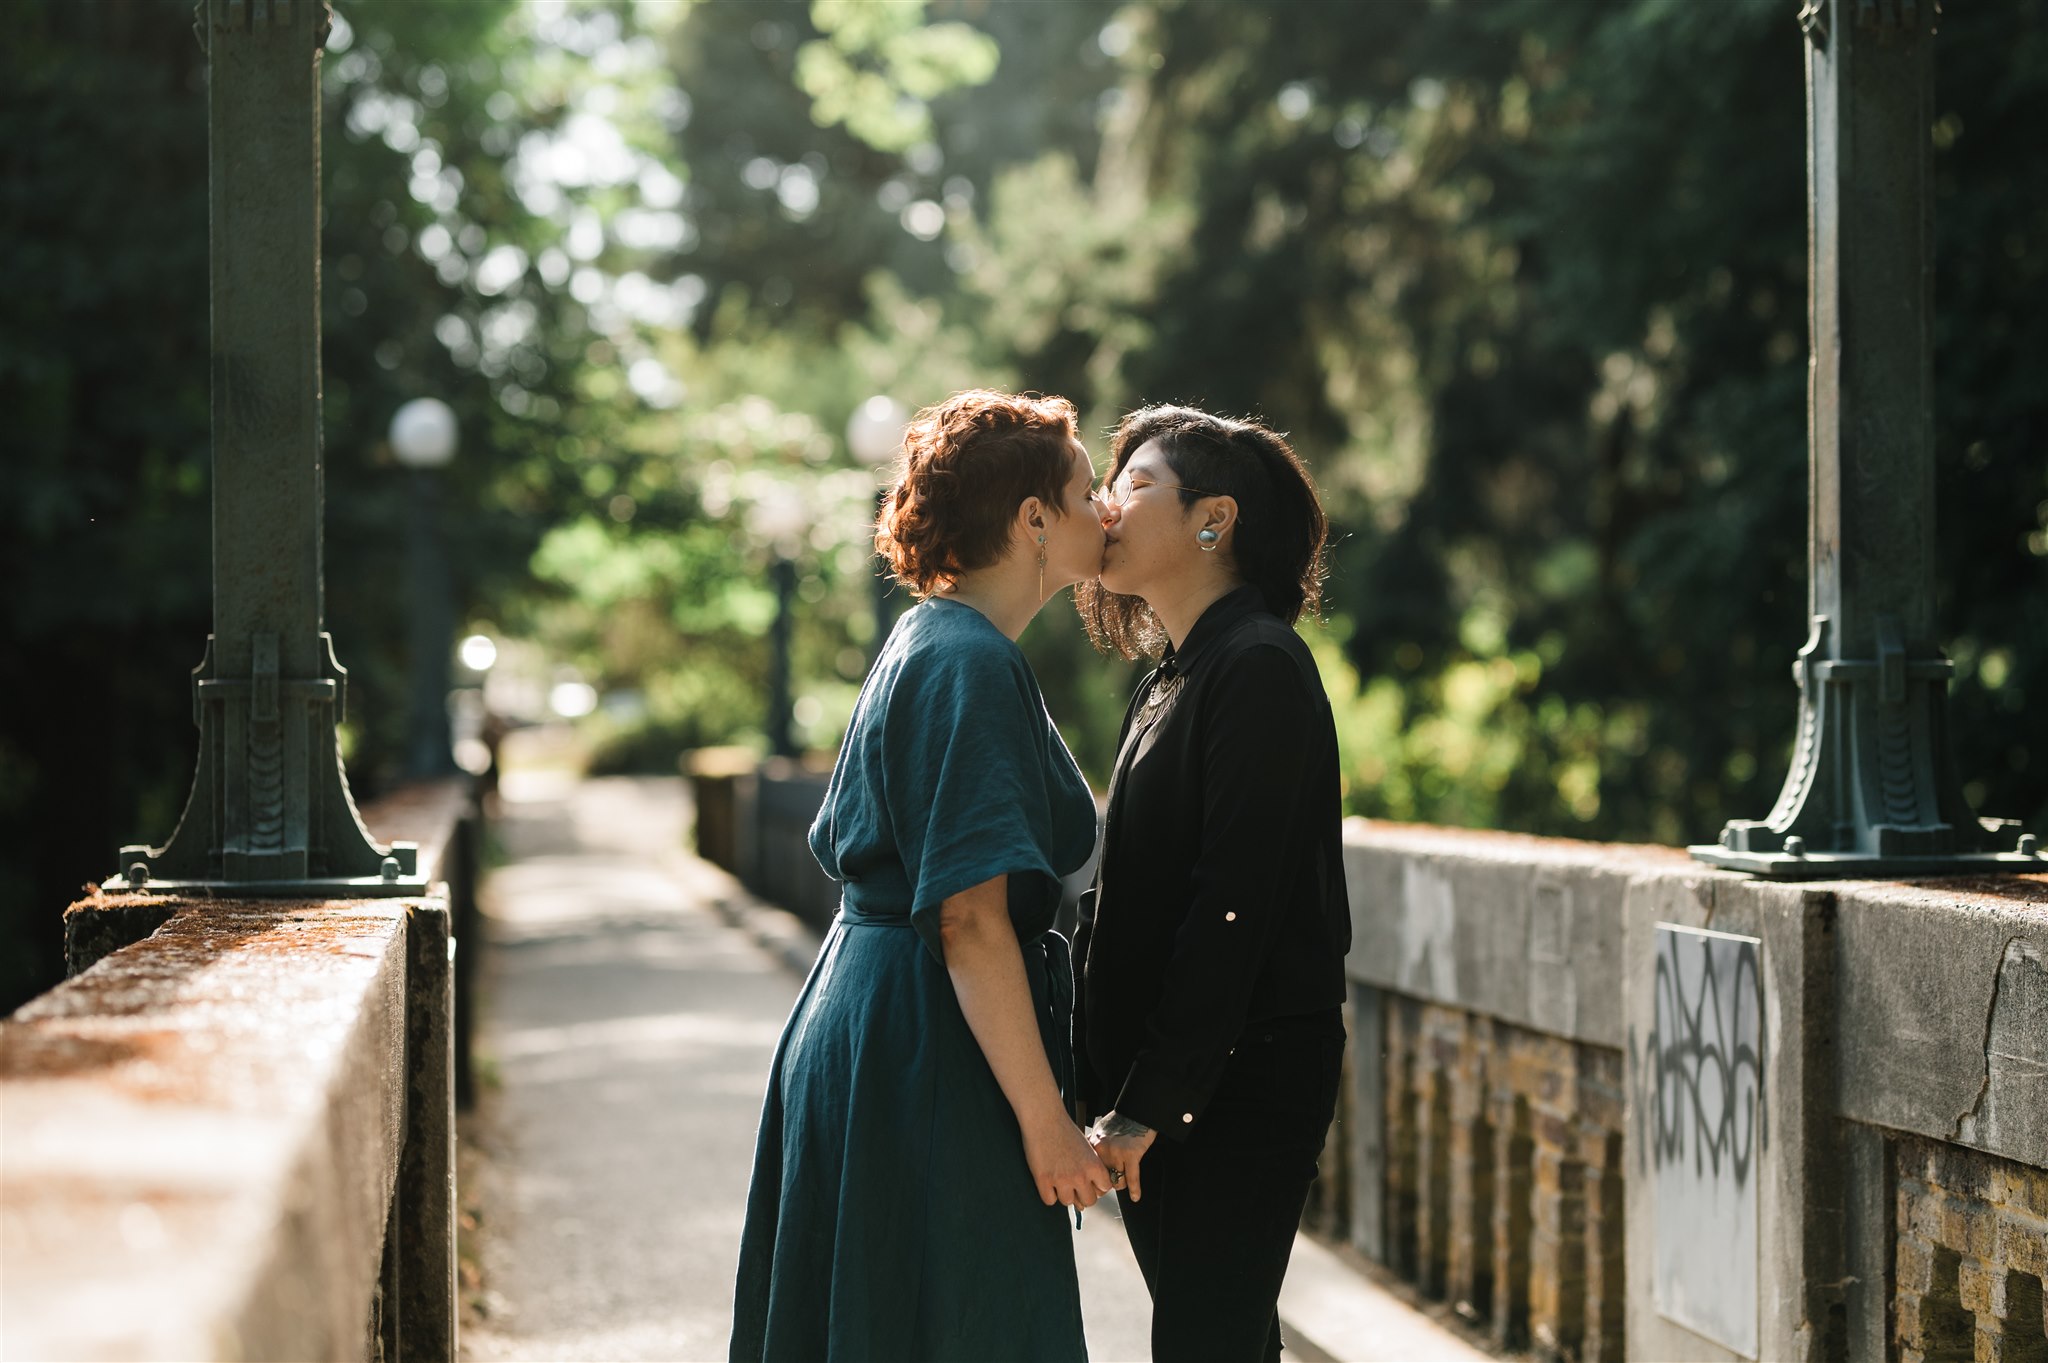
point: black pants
(1216, 1219)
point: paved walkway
(631, 1025)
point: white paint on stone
(1429, 922)
(1553, 984)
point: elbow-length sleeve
(966, 783)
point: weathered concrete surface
(1944, 1011)
(1524, 929)
(199, 1137)
(420, 1302)
(1886, 1007)
(103, 924)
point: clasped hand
(1066, 1171)
(1121, 1153)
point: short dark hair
(1281, 528)
(968, 463)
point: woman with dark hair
(1210, 953)
(917, 1152)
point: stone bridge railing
(1611, 1103)
(229, 1135)
(754, 820)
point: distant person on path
(917, 1156)
(1211, 950)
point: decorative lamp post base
(270, 814)
(403, 884)
(1871, 794)
(1783, 865)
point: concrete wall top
(1916, 1007)
(1941, 986)
(1525, 929)
(199, 1137)
(426, 813)
(1942, 999)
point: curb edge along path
(1329, 1312)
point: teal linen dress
(892, 1217)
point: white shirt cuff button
(1187, 1116)
(1230, 917)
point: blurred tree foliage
(103, 483)
(1528, 278)
(1525, 279)
(429, 285)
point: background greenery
(1525, 278)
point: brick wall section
(1403, 1177)
(1505, 1187)
(1474, 1176)
(1972, 1254)
(1503, 1177)
(1606, 1285)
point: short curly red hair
(968, 462)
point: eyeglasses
(1117, 493)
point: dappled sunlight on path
(630, 1030)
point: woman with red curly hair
(917, 1154)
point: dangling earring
(1041, 568)
(1208, 539)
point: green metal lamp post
(424, 436)
(875, 435)
(1872, 790)
(270, 811)
(779, 520)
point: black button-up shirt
(1219, 902)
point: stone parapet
(1943, 1011)
(1526, 930)
(1612, 1103)
(233, 1137)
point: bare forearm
(987, 969)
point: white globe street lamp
(875, 435)
(779, 518)
(875, 430)
(424, 436)
(479, 652)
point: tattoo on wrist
(1117, 1125)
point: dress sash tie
(1054, 1000)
